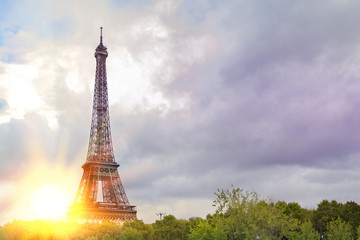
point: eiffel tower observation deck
(101, 195)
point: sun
(45, 190)
(49, 202)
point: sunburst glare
(49, 201)
(47, 190)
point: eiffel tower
(101, 195)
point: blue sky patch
(197, 10)
(8, 31)
(133, 3)
(8, 58)
(3, 104)
(61, 27)
(5, 8)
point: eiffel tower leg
(82, 188)
(108, 191)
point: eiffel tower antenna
(101, 174)
(101, 35)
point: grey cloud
(278, 98)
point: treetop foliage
(239, 215)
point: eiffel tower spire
(100, 144)
(101, 194)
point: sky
(262, 95)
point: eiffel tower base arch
(101, 213)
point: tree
(339, 230)
(326, 212)
(130, 233)
(307, 232)
(92, 238)
(107, 230)
(170, 228)
(242, 215)
(294, 210)
(350, 213)
(358, 231)
(107, 237)
(144, 229)
(2, 233)
(204, 231)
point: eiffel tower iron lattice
(101, 195)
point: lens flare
(44, 192)
(49, 201)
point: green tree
(144, 229)
(107, 229)
(107, 237)
(351, 214)
(242, 215)
(358, 231)
(170, 228)
(339, 230)
(194, 221)
(294, 210)
(204, 231)
(130, 233)
(2, 234)
(307, 232)
(326, 212)
(92, 238)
